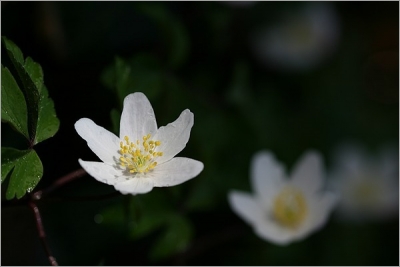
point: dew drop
(29, 189)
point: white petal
(175, 171)
(267, 175)
(135, 185)
(246, 206)
(174, 136)
(320, 207)
(273, 233)
(101, 172)
(137, 119)
(103, 143)
(308, 172)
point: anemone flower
(283, 210)
(142, 157)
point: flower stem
(42, 233)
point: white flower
(300, 39)
(284, 210)
(143, 156)
(368, 185)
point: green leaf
(122, 77)
(26, 171)
(149, 213)
(175, 239)
(29, 88)
(13, 105)
(42, 120)
(113, 216)
(9, 156)
(146, 76)
(149, 222)
(140, 74)
(155, 208)
(48, 123)
(35, 72)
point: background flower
(367, 184)
(300, 39)
(284, 210)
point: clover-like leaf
(13, 105)
(29, 88)
(42, 120)
(26, 171)
(48, 123)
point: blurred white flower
(301, 39)
(143, 156)
(284, 210)
(368, 186)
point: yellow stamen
(290, 207)
(139, 157)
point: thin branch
(42, 233)
(63, 180)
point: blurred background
(282, 76)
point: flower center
(139, 157)
(290, 207)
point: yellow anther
(126, 140)
(139, 157)
(290, 207)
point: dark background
(198, 55)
